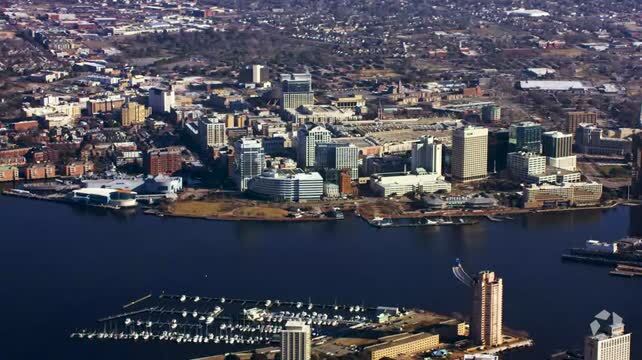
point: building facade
(162, 100)
(526, 136)
(133, 113)
(521, 165)
(567, 194)
(296, 341)
(389, 184)
(589, 140)
(488, 302)
(256, 74)
(249, 161)
(610, 343)
(556, 144)
(9, 173)
(332, 158)
(308, 137)
(403, 344)
(498, 143)
(491, 114)
(163, 161)
(575, 118)
(287, 185)
(426, 154)
(469, 158)
(296, 90)
(211, 133)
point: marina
(226, 321)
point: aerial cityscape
(321, 180)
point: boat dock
(202, 319)
(627, 271)
(420, 222)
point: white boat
(183, 298)
(197, 299)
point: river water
(61, 268)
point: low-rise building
(402, 344)
(8, 173)
(319, 114)
(568, 194)
(287, 185)
(589, 140)
(78, 168)
(39, 171)
(387, 184)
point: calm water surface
(61, 268)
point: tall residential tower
(487, 320)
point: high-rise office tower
(575, 118)
(469, 157)
(162, 100)
(556, 144)
(487, 320)
(211, 133)
(249, 161)
(296, 90)
(497, 150)
(426, 153)
(296, 341)
(256, 74)
(308, 137)
(332, 158)
(526, 136)
(609, 342)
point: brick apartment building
(78, 168)
(8, 173)
(163, 161)
(39, 171)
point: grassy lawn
(615, 171)
(225, 208)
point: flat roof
(399, 340)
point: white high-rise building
(426, 153)
(308, 137)
(162, 100)
(211, 133)
(296, 341)
(610, 343)
(469, 161)
(249, 161)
